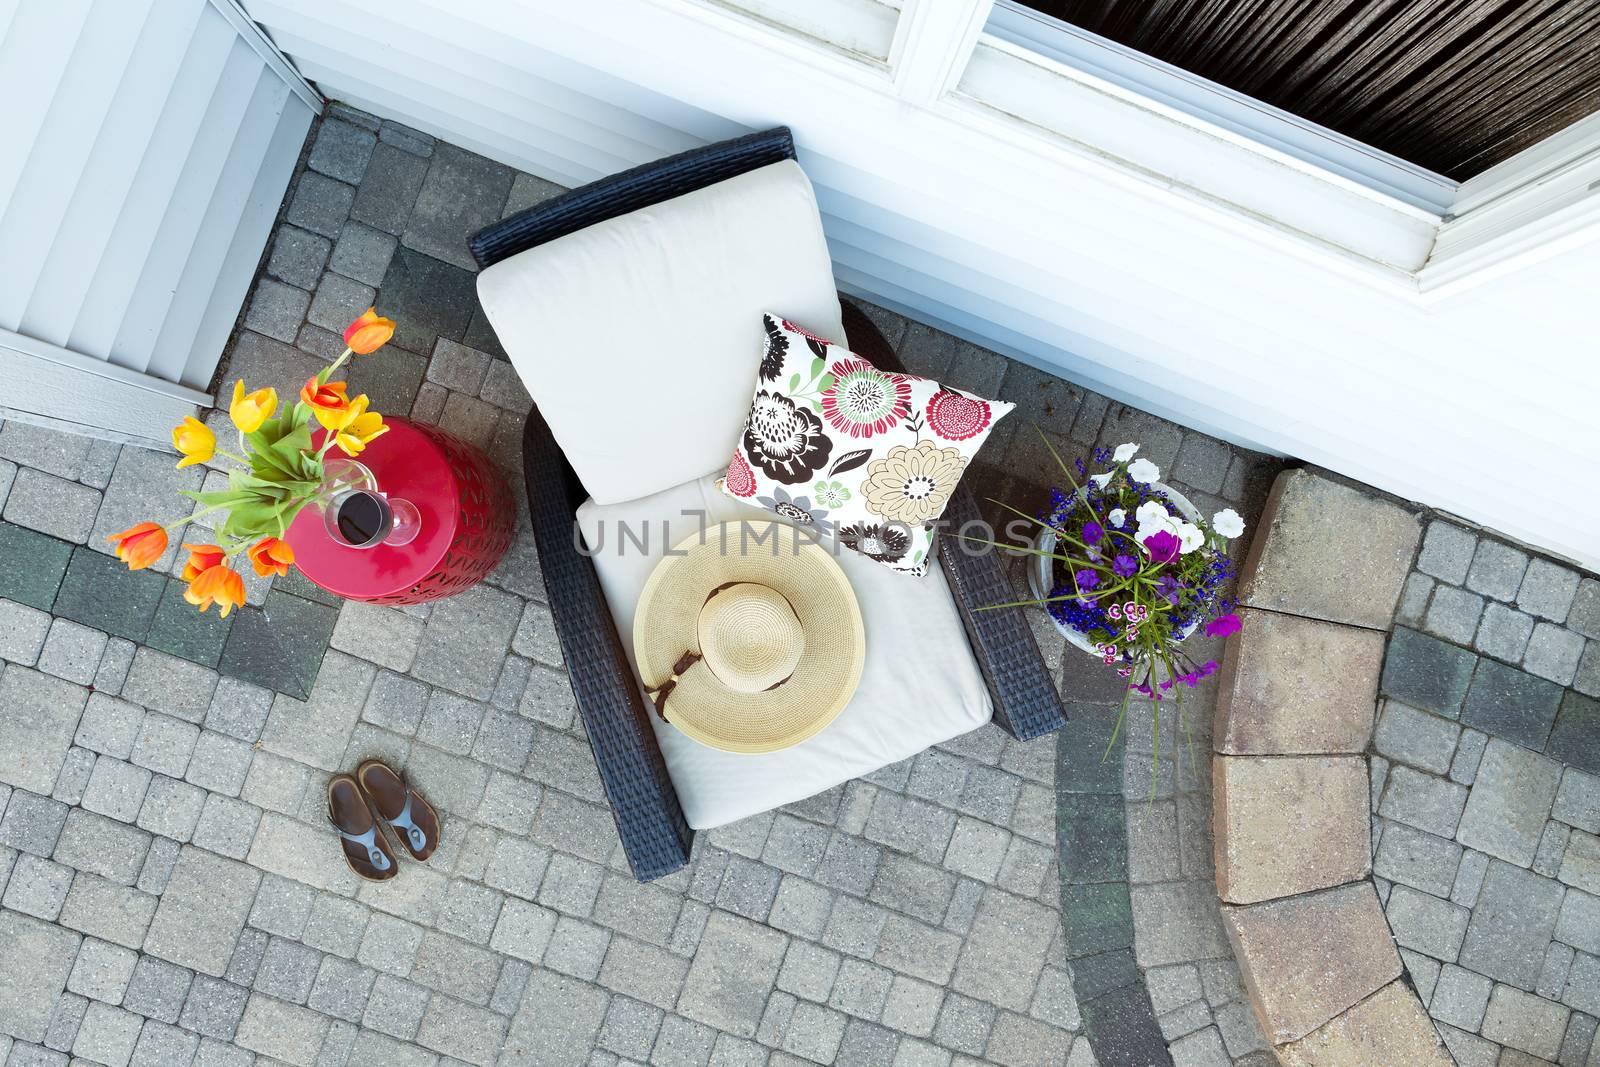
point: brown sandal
(365, 849)
(411, 819)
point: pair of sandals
(376, 796)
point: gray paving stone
(395, 1007)
(1548, 590)
(164, 1046)
(54, 451)
(72, 651)
(1447, 551)
(114, 666)
(1427, 803)
(282, 1031)
(1415, 737)
(1460, 997)
(107, 1035)
(1523, 1021)
(298, 256)
(1587, 679)
(1509, 803)
(1512, 704)
(167, 684)
(276, 310)
(320, 204)
(38, 887)
(1453, 614)
(171, 808)
(459, 368)
(381, 635)
(202, 911)
(1426, 923)
(159, 864)
(157, 989)
(32, 823)
(74, 776)
(1553, 976)
(107, 910)
(1512, 924)
(165, 744)
(1426, 673)
(342, 150)
(1552, 845)
(41, 717)
(1579, 923)
(338, 301)
(315, 731)
(523, 930)
(1553, 653)
(736, 964)
(1414, 596)
(23, 631)
(341, 989)
(465, 639)
(109, 726)
(116, 789)
(462, 194)
(1583, 984)
(1503, 633)
(52, 505)
(1417, 859)
(1497, 570)
(102, 971)
(102, 846)
(558, 1022)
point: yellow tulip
(362, 428)
(195, 440)
(250, 410)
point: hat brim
(767, 553)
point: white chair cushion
(920, 684)
(639, 337)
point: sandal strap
(369, 840)
(404, 821)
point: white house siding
(147, 148)
(1028, 243)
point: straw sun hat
(749, 637)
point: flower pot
(1041, 572)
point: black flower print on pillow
(787, 442)
(772, 355)
(880, 541)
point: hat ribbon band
(658, 693)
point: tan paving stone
(1287, 825)
(1326, 551)
(1388, 1028)
(1293, 686)
(1307, 959)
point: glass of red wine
(366, 518)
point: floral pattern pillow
(865, 456)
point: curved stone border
(1290, 782)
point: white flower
(1153, 513)
(1142, 470)
(1227, 523)
(1116, 517)
(1124, 452)
(1101, 479)
(1190, 537)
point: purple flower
(1086, 579)
(1125, 565)
(1168, 587)
(1223, 625)
(1163, 546)
(1092, 532)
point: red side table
(467, 522)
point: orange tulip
(201, 559)
(219, 585)
(141, 545)
(328, 402)
(271, 555)
(368, 333)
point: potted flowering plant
(1127, 568)
(281, 470)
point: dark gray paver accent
(1576, 737)
(279, 646)
(1426, 673)
(100, 591)
(180, 630)
(481, 335)
(31, 566)
(1096, 905)
(1513, 704)
(427, 298)
(391, 383)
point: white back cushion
(920, 686)
(639, 337)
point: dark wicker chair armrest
(641, 187)
(649, 818)
(1026, 703)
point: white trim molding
(932, 44)
(254, 36)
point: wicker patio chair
(654, 833)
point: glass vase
(357, 514)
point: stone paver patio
(170, 893)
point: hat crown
(750, 636)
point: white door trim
(257, 38)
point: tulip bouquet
(280, 471)
(1134, 572)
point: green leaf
(794, 383)
(826, 383)
(816, 366)
(815, 406)
(251, 520)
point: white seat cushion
(639, 337)
(920, 684)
